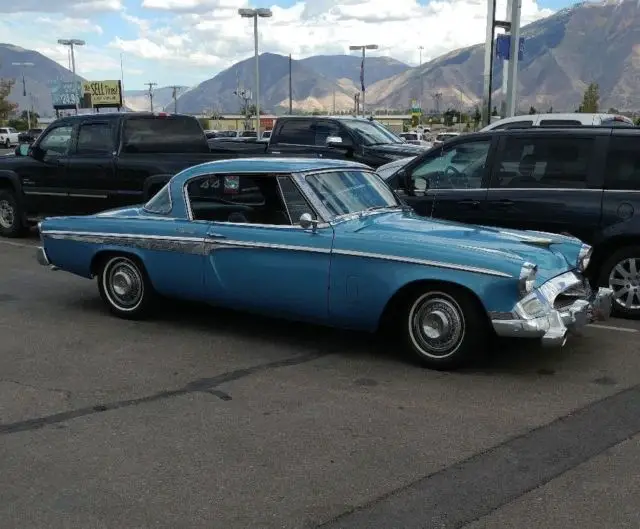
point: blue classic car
(327, 241)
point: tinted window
(94, 138)
(461, 166)
(57, 141)
(371, 133)
(163, 135)
(296, 131)
(525, 124)
(623, 164)
(228, 188)
(324, 129)
(160, 203)
(545, 162)
(560, 123)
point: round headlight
(527, 280)
(584, 257)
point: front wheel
(10, 215)
(7, 144)
(621, 273)
(444, 328)
(125, 287)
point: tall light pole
(255, 13)
(22, 66)
(72, 43)
(420, 48)
(363, 48)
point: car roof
(268, 166)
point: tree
(591, 99)
(613, 111)
(477, 116)
(6, 106)
(532, 110)
(494, 112)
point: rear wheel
(10, 215)
(7, 144)
(125, 287)
(621, 273)
(443, 327)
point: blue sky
(188, 41)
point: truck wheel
(443, 327)
(10, 215)
(7, 144)
(621, 273)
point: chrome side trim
(46, 193)
(221, 243)
(425, 262)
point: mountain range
(587, 43)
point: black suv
(582, 181)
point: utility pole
(174, 95)
(24, 88)
(334, 102)
(362, 87)
(290, 88)
(421, 82)
(151, 85)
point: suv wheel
(621, 273)
(10, 215)
(7, 144)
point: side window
(297, 132)
(524, 124)
(57, 141)
(460, 166)
(323, 130)
(160, 203)
(95, 138)
(237, 199)
(560, 123)
(623, 164)
(544, 162)
(294, 200)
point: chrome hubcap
(7, 215)
(124, 284)
(624, 280)
(436, 325)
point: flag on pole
(362, 73)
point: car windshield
(346, 192)
(372, 133)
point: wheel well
(603, 251)
(395, 304)
(5, 183)
(101, 258)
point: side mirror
(307, 222)
(22, 149)
(334, 141)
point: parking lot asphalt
(202, 418)
(5, 152)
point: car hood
(405, 234)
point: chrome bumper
(554, 327)
(43, 258)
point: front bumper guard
(43, 258)
(554, 327)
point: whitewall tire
(125, 287)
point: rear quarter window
(560, 123)
(623, 164)
(170, 134)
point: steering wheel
(452, 172)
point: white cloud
(61, 6)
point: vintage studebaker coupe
(327, 241)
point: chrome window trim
(286, 206)
(168, 188)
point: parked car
(563, 120)
(416, 138)
(88, 163)
(349, 138)
(29, 136)
(582, 181)
(444, 136)
(327, 241)
(8, 137)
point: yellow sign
(103, 93)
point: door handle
(503, 203)
(469, 203)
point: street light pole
(255, 13)
(362, 87)
(421, 83)
(24, 87)
(71, 43)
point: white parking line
(19, 244)
(612, 328)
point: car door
(293, 137)
(450, 182)
(258, 257)
(44, 178)
(91, 169)
(547, 181)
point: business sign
(503, 47)
(66, 94)
(415, 108)
(103, 94)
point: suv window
(459, 166)
(296, 131)
(163, 134)
(544, 162)
(324, 129)
(57, 141)
(524, 124)
(95, 138)
(560, 123)
(623, 164)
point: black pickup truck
(359, 139)
(84, 164)
(581, 181)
